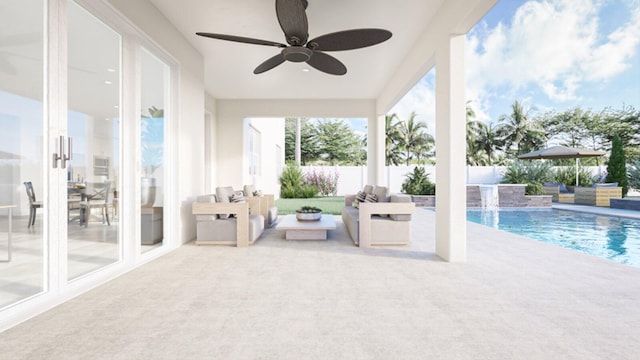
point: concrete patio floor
(514, 298)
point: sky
(547, 54)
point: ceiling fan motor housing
(297, 53)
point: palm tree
(518, 129)
(473, 130)
(414, 137)
(393, 151)
(489, 142)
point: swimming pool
(613, 238)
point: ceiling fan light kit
(293, 21)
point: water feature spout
(489, 197)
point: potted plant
(309, 213)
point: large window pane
(93, 125)
(155, 85)
(21, 141)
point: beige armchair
(261, 204)
(221, 222)
(385, 222)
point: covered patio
(513, 298)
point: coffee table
(306, 230)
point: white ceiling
(229, 66)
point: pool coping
(633, 214)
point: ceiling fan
(293, 21)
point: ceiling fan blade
(269, 64)
(349, 39)
(241, 39)
(327, 63)
(293, 21)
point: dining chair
(33, 203)
(98, 199)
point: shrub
(617, 167)
(533, 173)
(307, 191)
(634, 175)
(326, 184)
(567, 176)
(417, 183)
(292, 186)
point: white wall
(272, 135)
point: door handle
(60, 155)
(69, 155)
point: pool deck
(598, 210)
(514, 298)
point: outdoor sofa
(383, 221)
(558, 192)
(600, 194)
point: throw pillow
(223, 195)
(249, 190)
(381, 194)
(371, 198)
(237, 197)
(257, 193)
(360, 196)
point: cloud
(554, 45)
(421, 99)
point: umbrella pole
(577, 172)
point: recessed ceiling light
(108, 82)
(111, 70)
(305, 70)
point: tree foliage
(308, 141)
(634, 175)
(337, 143)
(392, 143)
(407, 141)
(617, 167)
(521, 134)
(325, 141)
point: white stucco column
(375, 150)
(451, 194)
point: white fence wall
(354, 178)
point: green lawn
(329, 205)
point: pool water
(613, 238)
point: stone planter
(308, 216)
(424, 200)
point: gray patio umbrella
(562, 152)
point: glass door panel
(22, 226)
(155, 85)
(93, 127)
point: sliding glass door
(22, 159)
(155, 94)
(93, 129)
(62, 159)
